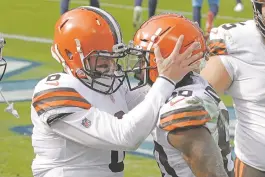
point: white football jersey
(75, 132)
(245, 64)
(192, 104)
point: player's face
(135, 64)
(136, 67)
(103, 65)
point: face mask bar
(104, 75)
(259, 18)
(3, 63)
(137, 66)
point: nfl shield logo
(86, 123)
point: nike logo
(55, 83)
(174, 102)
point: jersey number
(116, 166)
(185, 93)
(53, 77)
(232, 25)
(163, 160)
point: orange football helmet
(162, 30)
(88, 43)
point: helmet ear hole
(69, 54)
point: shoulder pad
(188, 108)
(50, 100)
(218, 41)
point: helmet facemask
(3, 63)
(259, 17)
(88, 43)
(101, 71)
(137, 66)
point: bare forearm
(205, 160)
(200, 152)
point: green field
(36, 19)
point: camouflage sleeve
(185, 112)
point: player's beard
(106, 79)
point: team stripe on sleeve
(217, 47)
(184, 117)
(57, 98)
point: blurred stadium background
(28, 28)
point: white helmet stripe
(110, 18)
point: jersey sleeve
(222, 43)
(134, 97)
(76, 119)
(55, 102)
(185, 112)
(218, 43)
(231, 65)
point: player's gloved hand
(177, 65)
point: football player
(238, 68)
(239, 6)
(193, 121)
(3, 66)
(64, 5)
(80, 128)
(3, 63)
(213, 11)
(137, 11)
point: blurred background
(27, 26)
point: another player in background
(193, 121)
(3, 67)
(237, 68)
(239, 6)
(64, 5)
(85, 117)
(3, 63)
(137, 12)
(213, 11)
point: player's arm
(216, 74)
(97, 129)
(188, 134)
(199, 150)
(218, 70)
(102, 130)
(134, 97)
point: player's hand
(177, 65)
